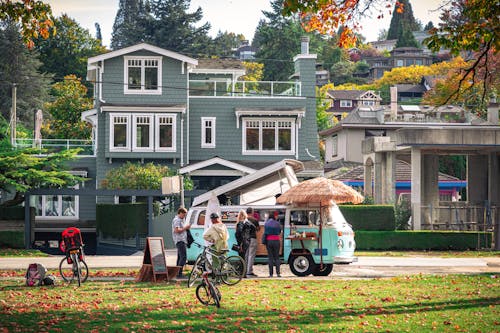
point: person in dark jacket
(272, 232)
(250, 229)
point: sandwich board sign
(154, 255)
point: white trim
(142, 90)
(215, 173)
(345, 101)
(305, 56)
(174, 132)
(148, 109)
(142, 46)
(59, 208)
(276, 151)
(212, 121)
(234, 72)
(213, 161)
(112, 132)
(299, 113)
(243, 181)
(134, 132)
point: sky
(238, 16)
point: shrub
(369, 217)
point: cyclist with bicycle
(217, 235)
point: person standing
(179, 235)
(271, 238)
(240, 224)
(250, 229)
(216, 235)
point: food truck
(314, 237)
(310, 243)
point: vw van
(312, 241)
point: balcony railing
(56, 145)
(215, 88)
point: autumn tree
(34, 17)
(66, 110)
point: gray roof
(220, 63)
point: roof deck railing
(228, 88)
(55, 145)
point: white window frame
(276, 151)
(143, 90)
(335, 145)
(60, 215)
(345, 103)
(112, 118)
(158, 117)
(135, 119)
(212, 121)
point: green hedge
(422, 240)
(12, 239)
(122, 221)
(12, 213)
(369, 217)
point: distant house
(400, 57)
(344, 101)
(245, 51)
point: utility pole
(13, 115)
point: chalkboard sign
(154, 255)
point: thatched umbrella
(320, 191)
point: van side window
(304, 217)
(201, 218)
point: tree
(406, 38)
(98, 34)
(22, 170)
(467, 25)
(21, 67)
(225, 43)
(130, 26)
(429, 26)
(402, 20)
(138, 176)
(70, 101)
(254, 71)
(67, 52)
(35, 18)
(474, 26)
(382, 34)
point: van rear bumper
(344, 260)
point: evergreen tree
(174, 28)
(225, 43)
(406, 39)
(402, 19)
(22, 67)
(429, 26)
(131, 23)
(98, 34)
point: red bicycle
(73, 265)
(207, 291)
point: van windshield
(330, 216)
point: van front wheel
(301, 265)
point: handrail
(228, 88)
(53, 145)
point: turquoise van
(313, 239)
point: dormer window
(142, 75)
(345, 103)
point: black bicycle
(228, 270)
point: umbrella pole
(320, 237)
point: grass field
(419, 303)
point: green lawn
(419, 303)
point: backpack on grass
(35, 275)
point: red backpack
(35, 275)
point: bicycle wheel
(204, 295)
(232, 270)
(76, 268)
(66, 270)
(84, 270)
(215, 293)
(196, 271)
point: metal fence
(459, 216)
(218, 88)
(46, 146)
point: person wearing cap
(217, 234)
(179, 235)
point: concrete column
(368, 177)
(477, 179)
(389, 189)
(430, 194)
(378, 179)
(416, 188)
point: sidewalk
(366, 267)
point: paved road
(366, 267)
